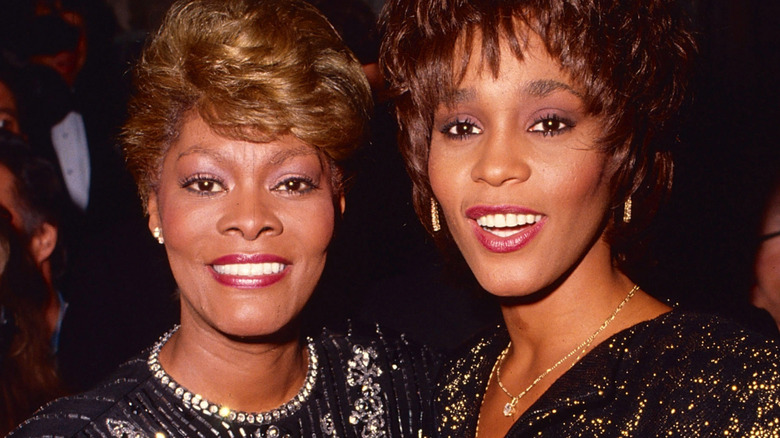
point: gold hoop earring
(157, 233)
(627, 210)
(435, 223)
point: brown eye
(461, 129)
(550, 125)
(295, 185)
(203, 185)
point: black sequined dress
(678, 375)
(362, 386)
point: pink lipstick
(249, 271)
(505, 228)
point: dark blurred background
(383, 267)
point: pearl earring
(157, 233)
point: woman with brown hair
(244, 112)
(538, 136)
(31, 310)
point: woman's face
(514, 165)
(766, 291)
(246, 227)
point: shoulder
(707, 360)
(70, 416)
(703, 337)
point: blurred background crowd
(79, 269)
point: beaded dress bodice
(680, 374)
(356, 386)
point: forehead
(532, 71)
(196, 137)
(487, 58)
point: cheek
(445, 177)
(314, 225)
(183, 223)
(768, 267)
(583, 185)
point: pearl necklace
(509, 408)
(197, 403)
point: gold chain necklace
(509, 408)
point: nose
(250, 213)
(501, 158)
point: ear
(152, 209)
(43, 242)
(342, 203)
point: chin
(260, 331)
(256, 323)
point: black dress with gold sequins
(678, 375)
(362, 386)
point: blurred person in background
(30, 308)
(765, 293)
(71, 97)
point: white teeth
(250, 269)
(507, 220)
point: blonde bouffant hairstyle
(254, 70)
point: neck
(567, 313)
(244, 376)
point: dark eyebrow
(459, 95)
(538, 88)
(281, 156)
(542, 88)
(197, 149)
(276, 159)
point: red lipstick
(250, 275)
(498, 244)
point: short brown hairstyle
(254, 70)
(632, 58)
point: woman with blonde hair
(244, 112)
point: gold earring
(627, 210)
(157, 233)
(435, 224)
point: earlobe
(153, 211)
(43, 242)
(342, 203)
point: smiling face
(522, 184)
(246, 227)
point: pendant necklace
(509, 408)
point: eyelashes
(210, 185)
(461, 128)
(203, 184)
(296, 185)
(549, 125)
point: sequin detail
(679, 375)
(327, 426)
(368, 409)
(198, 403)
(122, 429)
